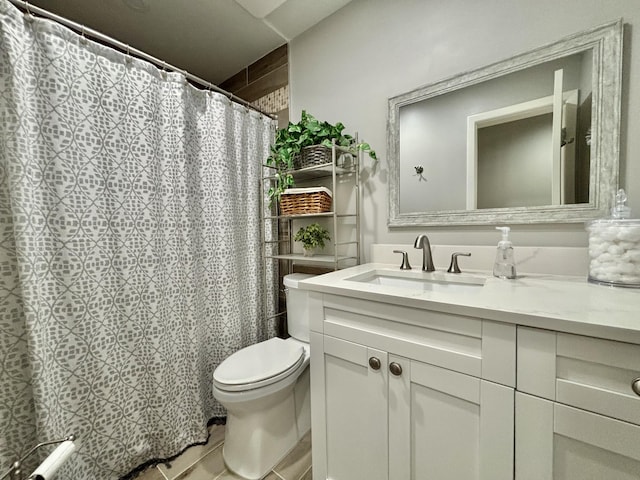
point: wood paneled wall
(265, 83)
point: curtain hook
(29, 15)
(128, 58)
(83, 39)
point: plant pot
(309, 252)
(313, 155)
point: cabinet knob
(395, 368)
(635, 386)
(374, 363)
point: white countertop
(563, 303)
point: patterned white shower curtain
(129, 249)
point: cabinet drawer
(588, 373)
(468, 345)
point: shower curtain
(130, 249)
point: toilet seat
(259, 365)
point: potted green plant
(291, 140)
(312, 236)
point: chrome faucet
(422, 241)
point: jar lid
(610, 222)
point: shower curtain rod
(83, 30)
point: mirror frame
(606, 42)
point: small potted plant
(292, 140)
(312, 236)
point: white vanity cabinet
(532, 379)
(577, 407)
(403, 393)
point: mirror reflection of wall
(515, 170)
(433, 134)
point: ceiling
(212, 39)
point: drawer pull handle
(395, 368)
(635, 386)
(374, 363)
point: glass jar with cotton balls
(614, 247)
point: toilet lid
(258, 365)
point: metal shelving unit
(342, 176)
(340, 257)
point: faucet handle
(405, 260)
(453, 266)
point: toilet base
(256, 439)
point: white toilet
(265, 389)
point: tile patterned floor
(204, 462)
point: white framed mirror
(532, 139)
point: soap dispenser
(505, 265)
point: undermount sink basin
(422, 281)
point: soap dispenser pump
(505, 265)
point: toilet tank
(297, 306)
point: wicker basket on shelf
(301, 201)
(312, 156)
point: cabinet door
(558, 442)
(445, 425)
(355, 398)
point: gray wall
(515, 170)
(346, 68)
